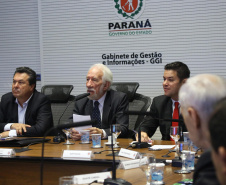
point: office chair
(137, 102)
(129, 88)
(61, 99)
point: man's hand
(19, 127)
(75, 135)
(94, 130)
(144, 137)
(5, 134)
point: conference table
(24, 167)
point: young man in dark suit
(162, 107)
(24, 111)
(111, 104)
(198, 97)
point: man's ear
(32, 87)
(184, 80)
(195, 119)
(222, 156)
(106, 86)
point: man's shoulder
(161, 98)
(40, 96)
(82, 101)
(205, 171)
(8, 96)
(205, 159)
(115, 95)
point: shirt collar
(101, 100)
(26, 102)
(175, 101)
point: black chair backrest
(129, 88)
(61, 102)
(137, 102)
(140, 103)
(57, 93)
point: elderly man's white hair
(201, 92)
(107, 74)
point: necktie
(96, 114)
(175, 113)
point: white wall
(75, 35)
(19, 39)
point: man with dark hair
(163, 106)
(217, 128)
(24, 111)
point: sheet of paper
(80, 118)
(163, 146)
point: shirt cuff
(7, 126)
(104, 134)
(12, 133)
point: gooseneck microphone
(140, 144)
(76, 99)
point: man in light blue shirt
(24, 111)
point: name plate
(77, 154)
(128, 153)
(130, 164)
(6, 152)
(89, 178)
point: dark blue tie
(96, 114)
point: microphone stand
(140, 144)
(114, 180)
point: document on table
(162, 146)
(80, 118)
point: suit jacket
(204, 173)
(115, 104)
(161, 108)
(38, 113)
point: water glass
(190, 161)
(146, 165)
(157, 173)
(96, 139)
(84, 136)
(184, 157)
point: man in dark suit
(198, 97)
(111, 104)
(217, 128)
(162, 107)
(24, 111)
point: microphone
(140, 144)
(62, 126)
(76, 99)
(81, 96)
